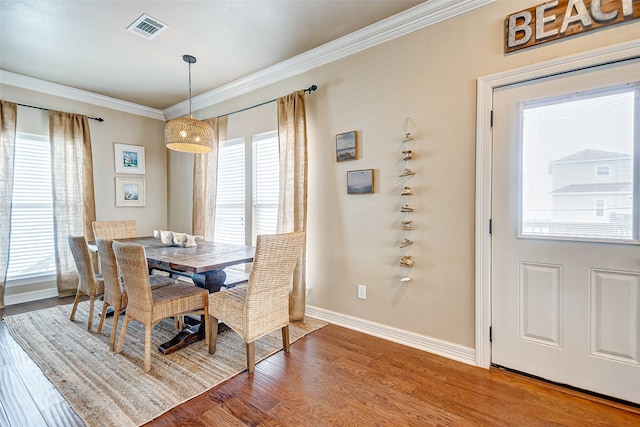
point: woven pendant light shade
(188, 135)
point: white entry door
(565, 244)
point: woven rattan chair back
(131, 260)
(113, 289)
(267, 301)
(114, 294)
(261, 306)
(114, 229)
(88, 283)
(149, 306)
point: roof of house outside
(591, 156)
(605, 187)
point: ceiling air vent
(147, 27)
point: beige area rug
(108, 389)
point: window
(31, 250)
(248, 189)
(230, 198)
(566, 139)
(266, 176)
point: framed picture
(129, 192)
(360, 181)
(346, 146)
(129, 158)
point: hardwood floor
(336, 377)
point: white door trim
(484, 141)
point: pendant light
(188, 134)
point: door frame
(484, 142)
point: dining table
(203, 263)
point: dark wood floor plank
(219, 416)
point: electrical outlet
(362, 292)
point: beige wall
(117, 127)
(430, 76)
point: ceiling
(85, 44)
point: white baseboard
(21, 297)
(432, 345)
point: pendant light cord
(190, 115)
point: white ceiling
(84, 44)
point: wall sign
(557, 19)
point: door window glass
(564, 141)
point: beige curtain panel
(205, 173)
(292, 206)
(8, 120)
(73, 199)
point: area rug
(108, 389)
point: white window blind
(230, 199)
(266, 176)
(248, 189)
(31, 251)
(564, 141)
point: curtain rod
(310, 89)
(98, 119)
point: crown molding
(421, 16)
(418, 17)
(30, 83)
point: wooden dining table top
(204, 257)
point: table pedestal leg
(212, 281)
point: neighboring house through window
(578, 176)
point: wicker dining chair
(262, 305)
(114, 229)
(115, 294)
(88, 282)
(149, 306)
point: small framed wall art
(130, 192)
(346, 146)
(360, 181)
(129, 158)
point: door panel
(614, 316)
(541, 303)
(566, 307)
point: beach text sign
(557, 19)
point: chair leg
(114, 327)
(213, 334)
(92, 300)
(147, 347)
(285, 338)
(207, 331)
(251, 356)
(123, 331)
(103, 315)
(75, 305)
